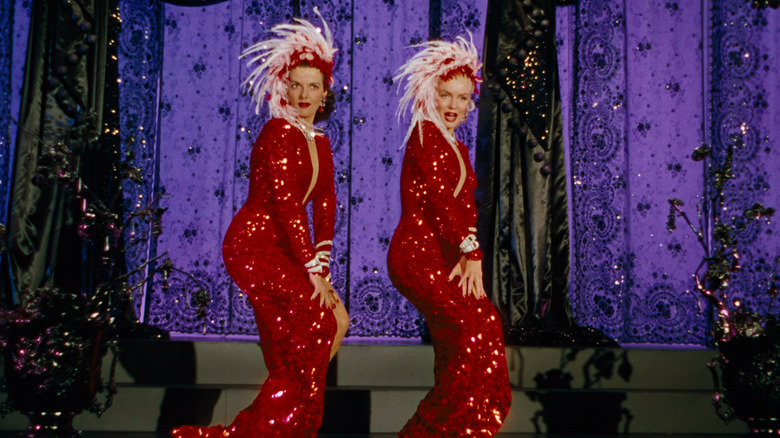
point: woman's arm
(324, 207)
(437, 172)
(284, 173)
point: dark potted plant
(746, 369)
(570, 410)
(54, 342)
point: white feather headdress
(438, 60)
(296, 43)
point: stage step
(375, 388)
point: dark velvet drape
(68, 98)
(521, 170)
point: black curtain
(68, 135)
(521, 170)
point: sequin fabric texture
(265, 249)
(471, 395)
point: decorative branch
(721, 257)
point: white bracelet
(314, 265)
(320, 260)
(324, 256)
(469, 244)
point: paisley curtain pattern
(638, 115)
(642, 84)
(642, 103)
(139, 74)
(746, 91)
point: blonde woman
(434, 258)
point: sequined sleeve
(437, 166)
(284, 172)
(324, 204)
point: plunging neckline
(315, 166)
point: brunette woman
(268, 249)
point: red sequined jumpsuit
(265, 250)
(471, 395)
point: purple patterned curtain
(642, 84)
(194, 131)
(653, 80)
(743, 106)
(638, 113)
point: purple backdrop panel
(565, 34)
(6, 65)
(664, 96)
(197, 158)
(598, 161)
(383, 32)
(248, 23)
(207, 129)
(139, 73)
(635, 84)
(14, 45)
(461, 17)
(746, 93)
(338, 14)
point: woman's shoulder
(277, 123)
(276, 129)
(428, 126)
(426, 132)
(320, 137)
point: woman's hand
(324, 290)
(470, 273)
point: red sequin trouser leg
(296, 335)
(471, 395)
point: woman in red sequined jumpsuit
(434, 259)
(269, 252)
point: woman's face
(306, 91)
(454, 100)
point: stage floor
(377, 387)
